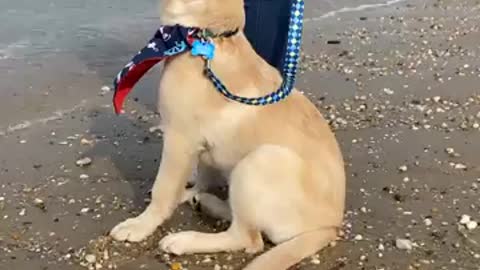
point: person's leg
(267, 28)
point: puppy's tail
(294, 250)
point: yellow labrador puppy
(285, 169)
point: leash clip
(205, 49)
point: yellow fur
(283, 163)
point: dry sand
(401, 87)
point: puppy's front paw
(177, 243)
(134, 229)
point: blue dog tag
(205, 49)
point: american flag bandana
(167, 42)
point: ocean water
(32, 28)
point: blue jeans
(267, 28)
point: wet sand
(399, 84)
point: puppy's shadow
(134, 152)
(124, 141)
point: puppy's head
(218, 15)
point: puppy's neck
(216, 16)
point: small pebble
(450, 151)
(105, 88)
(84, 162)
(403, 168)
(403, 244)
(465, 219)
(471, 225)
(388, 91)
(358, 237)
(428, 222)
(90, 258)
(460, 166)
(84, 141)
(105, 255)
(155, 129)
(39, 203)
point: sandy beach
(399, 82)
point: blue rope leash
(289, 69)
